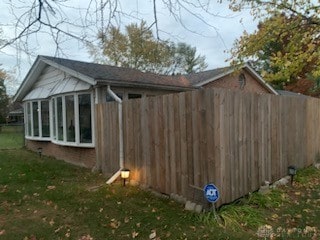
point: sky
(213, 34)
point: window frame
(53, 120)
(77, 142)
(29, 110)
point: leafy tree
(285, 55)
(185, 59)
(286, 44)
(138, 48)
(4, 99)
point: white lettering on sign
(211, 192)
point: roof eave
(29, 80)
(200, 84)
(143, 85)
(35, 72)
(71, 72)
(262, 81)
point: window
(66, 119)
(70, 118)
(133, 95)
(54, 136)
(59, 122)
(29, 119)
(85, 118)
(73, 119)
(35, 119)
(45, 120)
(38, 121)
(109, 98)
(242, 80)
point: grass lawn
(11, 137)
(43, 198)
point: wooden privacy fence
(178, 143)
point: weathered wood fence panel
(178, 143)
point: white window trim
(32, 137)
(77, 142)
(53, 139)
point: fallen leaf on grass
(51, 187)
(115, 224)
(87, 237)
(193, 228)
(309, 229)
(307, 210)
(134, 234)
(51, 222)
(32, 237)
(153, 234)
(2, 232)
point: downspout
(121, 154)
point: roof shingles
(107, 73)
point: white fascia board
(214, 78)
(260, 79)
(71, 72)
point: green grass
(50, 199)
(11, 137)
(44, 198)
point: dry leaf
(153, 235)
(2, 232)
(87, 237)
(114, 224)
(51, 222)
(134, 234)
(51, 187)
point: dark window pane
(54, 118)
(35, 116)
(133, 95)
(109, 98)
(60, 118)
(29, 132)
(70, 118)
(85, 118)
(45, 119)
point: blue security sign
(211, 193)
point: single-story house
(58, 97)
(15, 116)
